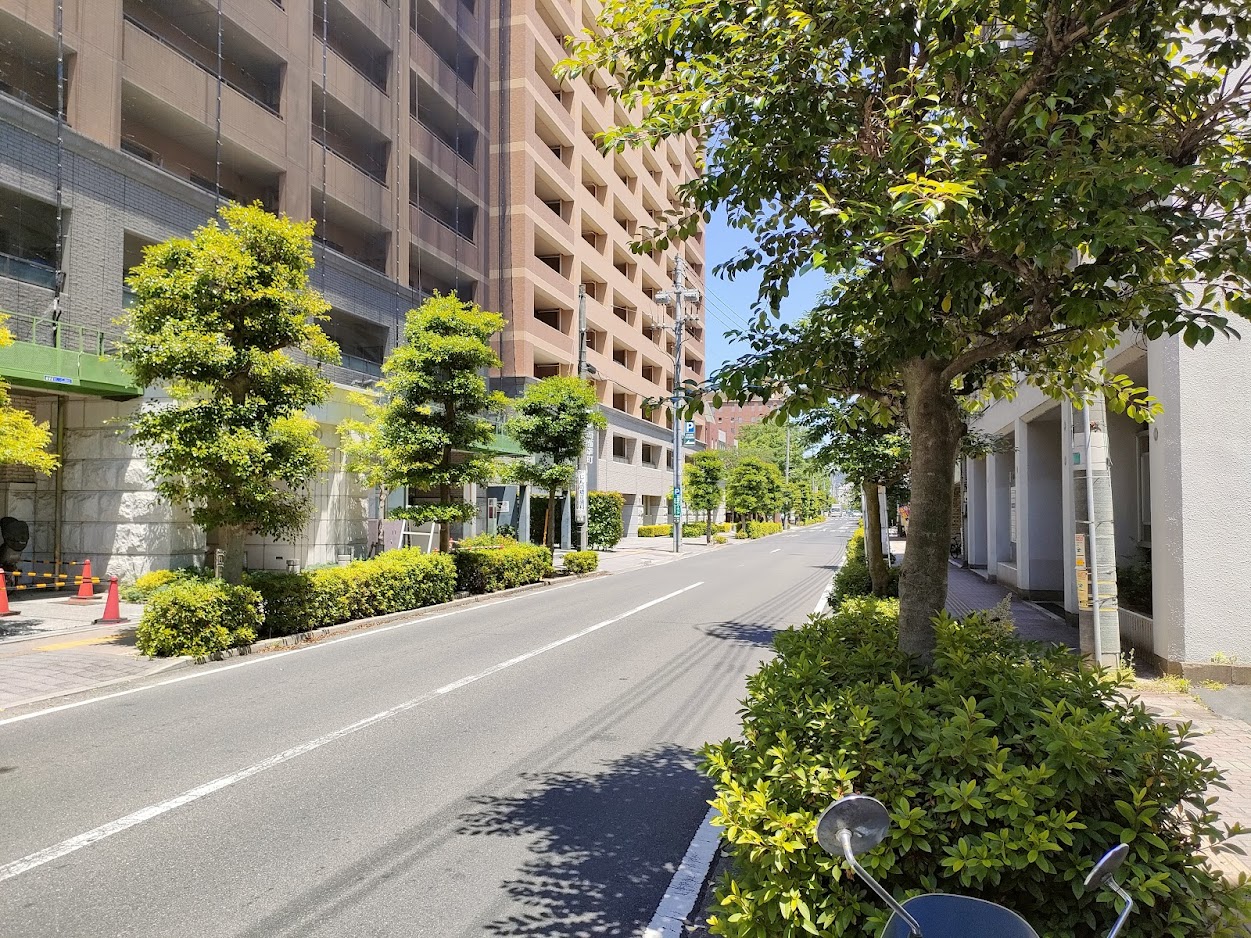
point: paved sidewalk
(52, 649)
(967, 592)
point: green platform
(66, 358)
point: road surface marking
(30, 862)
(78, 643)
(775, 550)
(275, 656)
(683, 889)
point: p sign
(689, 435)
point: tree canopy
(997, 191)
(702, 480)
(23, 441)
(550, 421)
(428, 430)
(214, 320)
(754, 488)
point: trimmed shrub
(700, 528)
(719, 539)
(149, 583)
(605, 519)
(1008, 769)
(198, 617)
(579, 562)
(756, 529)
(655, 530)
(490, 569)
(852, 579)
(395, 581)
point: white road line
(274, 656)
(28, 863)
(823, 599)
(683, 889)
(775, 550)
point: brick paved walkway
(967, 592)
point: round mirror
(866, 818)
(1106, 868)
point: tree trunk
(936, 424)
(232, 538)
(445, 497)
(879, 569)
(708, 530)
(549, 523)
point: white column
(1023, 457)
(1067, 508)
(976, 499)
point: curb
(407, 615)
(173, 664)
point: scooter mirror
(865, 818)
(1107, 866)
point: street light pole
(676, 299)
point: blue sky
(722, 242)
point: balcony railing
(147, 30)
(45, 331)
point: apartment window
(621, 449)
(549, 317)
(668, 459)
(651, 455)
(546, 370)
(1144, 488)
(619, 356)
(27, 239)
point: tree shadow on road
(602, 847)
(743, 633)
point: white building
(1182, 499)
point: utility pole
(787, 517)
(676, 299)
(580, 492)
(1099, 617)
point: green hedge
(605, 519)
(852, 579)
(655, 530)
(490, 569)
(581, 561)
(757, 529)
(148, 583)
(1007, 769)
(394, 581)
(198, 617)
(700, 528)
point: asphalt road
(525, 767)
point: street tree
(767, 439)
(704, 475)
(428, 429)
(215, 319)
(754, 488)
(550, 421)
(23, 440)
(998, 192)
(868, 455)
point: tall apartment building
(729, 418)
(569, 213)
(369, 116)
(432, 147)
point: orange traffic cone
(112, 606)
(85, 588)
(4, 596)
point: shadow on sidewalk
(602, 847)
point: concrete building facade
(1181, 488)
(426, 167)
(568, 216)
